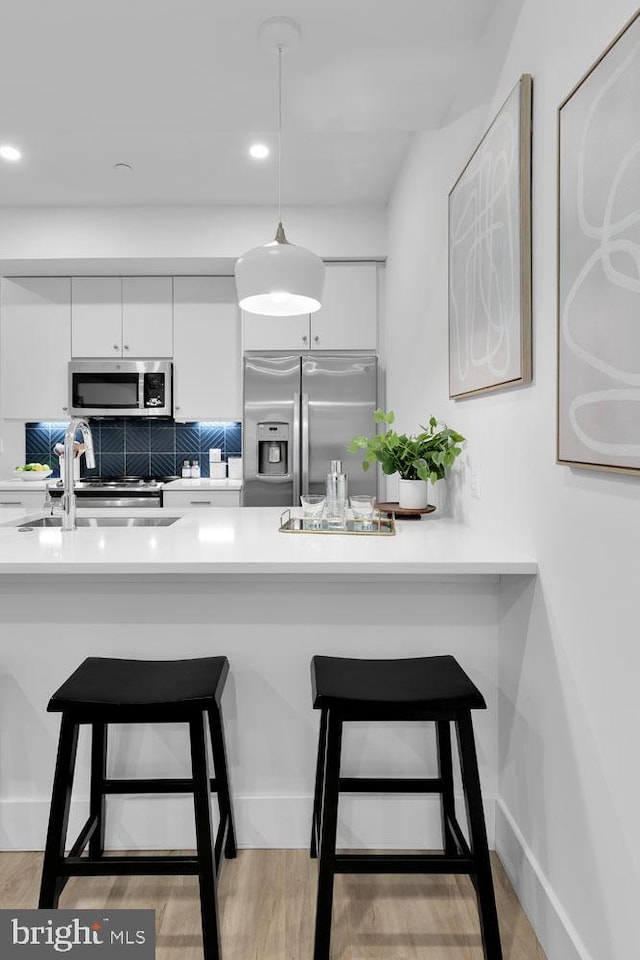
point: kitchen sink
(97, 522)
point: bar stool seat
(103, 691)
(419, 688)
(174, 685)
(423, 682)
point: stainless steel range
(116, 491)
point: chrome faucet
(69, 494)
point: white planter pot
(412, 494)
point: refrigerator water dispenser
(273, 449)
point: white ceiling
(180, 88)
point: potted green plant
(418, 458)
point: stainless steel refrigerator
(301, 412)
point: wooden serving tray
(394, 508)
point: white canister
(217, 471)
(215, 455)
(235, 468)
(76, 467)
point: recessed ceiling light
(259, 151)
(123, 167)
(7, 152)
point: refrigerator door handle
(305, 443)
(296, 450)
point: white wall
(416, 280)
(567, 825)
(173, 232)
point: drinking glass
(362, 505)
(312, 509)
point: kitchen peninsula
(227, 581)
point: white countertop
(25, 485)
(246, 540)
(203, 484)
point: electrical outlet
(475, 480)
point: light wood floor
(267, 910)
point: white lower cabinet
(31, 500)
(200, 499)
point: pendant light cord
(279, 133)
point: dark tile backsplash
(131, 447)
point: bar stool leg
(59, 814)
(328, 831)
(97, 799)
(204, 840)
(317, 798)
(216, 729)
(447, 802)
(478, 835)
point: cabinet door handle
(304, 339)
(177, 406)
(126, 346)
(196, 502)
(65, 409)
(11, 503)
(116, 347)
(316, 339)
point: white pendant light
(279, 279)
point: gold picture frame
(598, 245)
(490, 256)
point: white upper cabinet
(347, 320)
(207, 363)
(35, 348)
(276, 333)
(96, 316)
(348, 317)
(122, 317)
(147, 316)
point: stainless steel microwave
(120, 388)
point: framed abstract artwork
(490, 256)
(599, 262)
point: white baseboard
(160, 823)
(366, 821)
(552, 926)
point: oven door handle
(112, 502)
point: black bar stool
(424, 688)
(103, 691)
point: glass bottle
(336, 494)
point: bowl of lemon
(33, 471)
